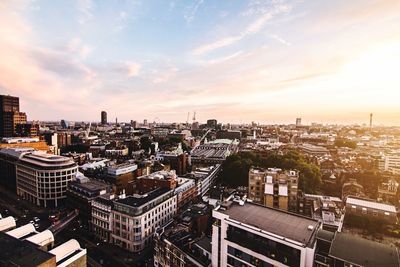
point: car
(36, 219)
(36, 225)
(31, 222)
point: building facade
(136, 218)
(247, 234)
(43, 178)
(274, 188)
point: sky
(236, 61)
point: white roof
(22, 231)
(44, 238)
(65, 249)
(7, 223)
(371, 204)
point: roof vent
(310, 228)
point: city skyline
(243, 61)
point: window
(364, 210)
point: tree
(235, 169)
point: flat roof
(204, 243)
(363, 252)
(370, 204)
(21, 253)
(137, 201)
(282, 223)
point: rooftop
(363, 252)
(370, 204)
(139, 200)
(285, 224)
(21, 253)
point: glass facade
(274, 250)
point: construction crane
(194, 116)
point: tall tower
(103, 117)
(10, 115)
(370, 120)
(298, 121)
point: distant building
(298, 121)
(229, 134)
(212, 123)
(204, 178)
(64, 124)
(390, 163)
(352, 188)
(175, 160)
(313, 150)
(273, 187)
(255, 235)
(24, 142)
(370, 209)
(26, 130)
(387, 191)
(214, 152)
(103, 118)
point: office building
(247, 234)
(103, 118)
(64, 124)
(10, 115)
(27, 130)
(136, 218)
(298, 121)
(101, 224)
(204, 178)
(274, 188)
(212, 123)
(177, 246)
(82, 192)
(40, 178)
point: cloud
(121, 21)
(77, 46)
(223, 59)
(165, 75)
(85, 7)
(133, 69)
(253, 28)
(279, 39)
(226, 41)
(191, 11)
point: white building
(43, 178)
(247, 234)
(116, 170)
(136, 218)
